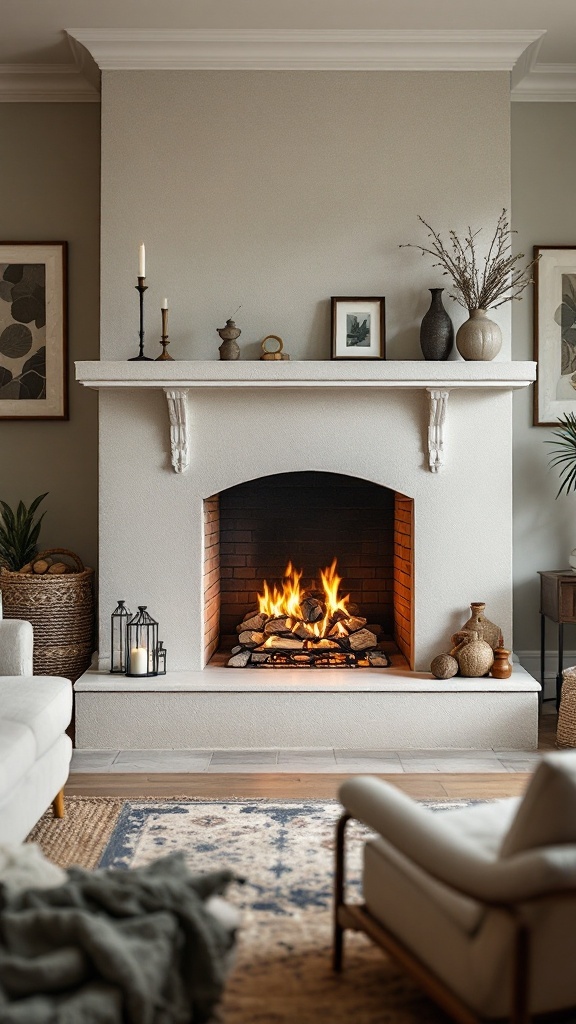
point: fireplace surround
(377, 425)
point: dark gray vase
(436, 330)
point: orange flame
(277, 603)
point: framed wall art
(554, 333)
(33, 341)
(358, 328)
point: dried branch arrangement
(479, 283)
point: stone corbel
(438, 406)
(177, 399)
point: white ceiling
(38, 61)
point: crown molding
(547, 83)
(45, 83)
(306, 50)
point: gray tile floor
(296, 760)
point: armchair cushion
(547, 814)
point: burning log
(250, 638)
(281, 625)
(339, 630)
(312, 609)
(282, 643)
(301, 630)
(362, 640)
(354, 623)
(255, 620)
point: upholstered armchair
(478, 903)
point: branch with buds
(479, 284)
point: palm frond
(19, 533)
(564, 452)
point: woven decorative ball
(444, 666)
(475, 659)
(566, 730)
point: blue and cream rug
(284, 849)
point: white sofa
(35, 751)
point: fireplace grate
(313, 659)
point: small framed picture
(554, 333)
(33, 343)
(358, 328)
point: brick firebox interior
(253, 530)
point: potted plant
(563, 456)
(479, 284)
(44, 589)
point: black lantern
(161, 659)
(142, 644)
(118, 647)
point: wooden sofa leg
(338, 947)
(58, 805)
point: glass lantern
(118, 648)
(161, 659)
(142, 644)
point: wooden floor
(226, 786)
(428, 786)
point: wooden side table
(557, 602)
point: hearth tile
(527, 764)
(365, 755)
(518, 755)
(161, 761)
(467, 765)
(236, 757)
(371, 766)
(92, 760)
(293, 755)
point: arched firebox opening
(255, 530)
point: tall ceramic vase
(479, 337)
(436, 330)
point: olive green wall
(50, 191)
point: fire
(277, 603)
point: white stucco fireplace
(174, 434)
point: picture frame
(358, 328)
(33, 331)
(554, 333)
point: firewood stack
(262, 638)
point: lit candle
(164, 304)
(139, 661)
(142, 260)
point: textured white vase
(479, 337)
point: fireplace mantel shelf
(176, 378)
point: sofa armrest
(16, 647)
(428, 840)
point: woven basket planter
(61, 610)
(566, 730)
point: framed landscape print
(554, 333)
(358, 328)
(33, 342)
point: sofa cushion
(547, 814)
(42, 703)
(486, 824)
(17, 754)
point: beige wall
(49, 191)
(276, 190)
(544, 213)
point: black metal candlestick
(141, 288)
(164, 338)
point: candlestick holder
(141, 288)
(164, 338)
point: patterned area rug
(284, 850)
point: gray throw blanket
(114, 947)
